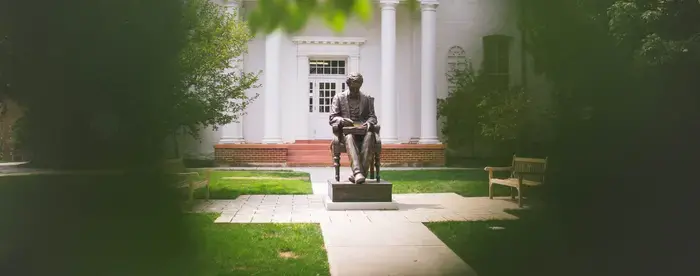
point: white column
(272, 88)
(303, 95)
(232, 133)
(428, 96)
(353, 64)
(388, 119)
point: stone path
(372, 242)
(309, 208)
(368, 243)
(402, 248)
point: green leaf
(296, 18)
(336, 20)
(412, 5)
(363, 9)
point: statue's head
(354, 80)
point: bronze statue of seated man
(354, 111)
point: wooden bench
(188, 180)
(523, 172)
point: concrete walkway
(368, 243)
(403, 248)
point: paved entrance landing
(309, 208)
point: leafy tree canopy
(293, 15)
(212, 93)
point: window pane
(503, 64)
(496, 54)
(489, 60)
(331, 67)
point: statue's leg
(353, 154)
(336, 165)
(377, 164)
(367, 151)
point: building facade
(404, 56)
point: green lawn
(81, 224)
(231, 184)
(528, 246)
(260, 249)
(463, 182)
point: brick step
(309, 146)
(325, 152)
(312, 142)
(313, 163)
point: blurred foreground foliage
(292, 16)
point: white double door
(321, 92)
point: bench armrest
(496, 169)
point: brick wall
(239, 155)
(400, 155)
(412, 155)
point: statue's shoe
(359, 178)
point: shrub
(476, 108)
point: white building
(404, 56)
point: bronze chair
(338, 147)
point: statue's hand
(367, 125)
(347, 121)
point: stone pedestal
(371, 195)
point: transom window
(327, 67)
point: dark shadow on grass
(89, 224)
(530, 245)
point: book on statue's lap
(355, 130)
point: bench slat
(513, 182)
